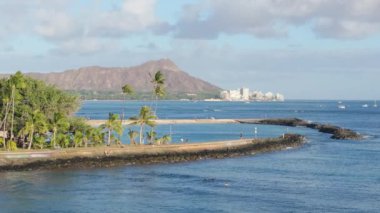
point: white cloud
(56, 25)
(67, 24)
(132, 16)
(264, 18)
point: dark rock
(346, 134)
(279, 121)
(336, 131)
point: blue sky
(316, 49)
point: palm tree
(78, 138)
(27, 130)
(87, 135)
(59, 123)
(35, 125)
(95, 135)
(113, 124)
(145, 118)
(132, 135)
(39, 141)
(18, 82)
(6, 108)
(63, 140)
(166, 139)
(151, 136)
(127, 90)
(158, 81)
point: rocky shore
(336, 131)
(141, 154)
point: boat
(365, 105)
(375, 104)
(341, 106)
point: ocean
(324, 175)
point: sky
(315, 49)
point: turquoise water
(323, 176)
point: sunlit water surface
(325, 175)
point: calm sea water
(325, 175)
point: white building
(268, 96)
(235, 95)
(257, 95)
(279, 97)
(225, 95)
(244, 94)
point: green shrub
(12, 145)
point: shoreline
(100, 157)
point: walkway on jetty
(183, 121)
(140, 154)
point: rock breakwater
(142, 154)
(336, 131)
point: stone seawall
(141, 154)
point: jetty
(104, 156)
(336, 131)
(94, 157)
(175, 121)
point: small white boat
(375, 104)
(365, 105)
(341, 106)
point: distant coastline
(141, 96)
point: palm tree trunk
(124, 108)
(155, 107)
(5, 124)
(54, 134)
(31, 139)
(13, 111)
(141, 133)
(109, 137)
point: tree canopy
(30, 108)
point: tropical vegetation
(113, 125)
(127, 90)
(144, 118)
(158, 81)
(34, 115)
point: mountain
(96, 78)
